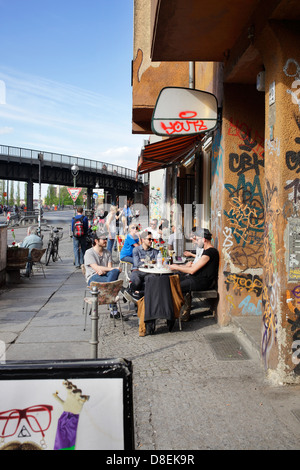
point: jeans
(110, 243)
(128, 259)
(108, 277)
(79, 248)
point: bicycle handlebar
(52, 227)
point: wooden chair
(107, 294)
(35, 259)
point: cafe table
(160, 305)
(155, 270)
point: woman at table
(131, 241)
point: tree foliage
(61, 197)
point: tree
(11, 200)
(2, 191)
(18, 194)
(51, 197)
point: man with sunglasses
(98, 266)
(137, 278)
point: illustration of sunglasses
(37, 417)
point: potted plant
(16, 256)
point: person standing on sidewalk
(111, 227)
(98, 266)
(80, 227)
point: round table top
(156, 270)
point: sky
(65, 78)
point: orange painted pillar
(279, 47)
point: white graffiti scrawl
(292, 69)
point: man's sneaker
(131, 296)
(114, 314)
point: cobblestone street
(185, 396)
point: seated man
(31, 241)
(199, 249)
(201, 274)
(98, 266)
(140, 254)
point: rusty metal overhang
(197, 30)
(141, 120)
(167, 152)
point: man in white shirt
(153, 228)
(98, 266)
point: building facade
(245, 173)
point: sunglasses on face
(150, 239)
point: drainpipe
(197, 156)
(192, 75)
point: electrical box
(260, 81)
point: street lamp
(40, 159)
(74, 171)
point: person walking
(80, 226)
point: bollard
(94, 339)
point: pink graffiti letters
(184, 125)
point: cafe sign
(184, 111)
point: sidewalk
(187, 394)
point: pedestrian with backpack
(80, 226)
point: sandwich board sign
(74, 193)
(66, 405)
(184, 111)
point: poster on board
(66, 405)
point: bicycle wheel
(55, 251)
(48, 253)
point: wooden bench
(211, 295)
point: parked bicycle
(53, 243)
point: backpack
(78, 229)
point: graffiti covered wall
(238, 202)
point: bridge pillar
(30, 195)
(89, 198)
(113, 193)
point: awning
(167, 152)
